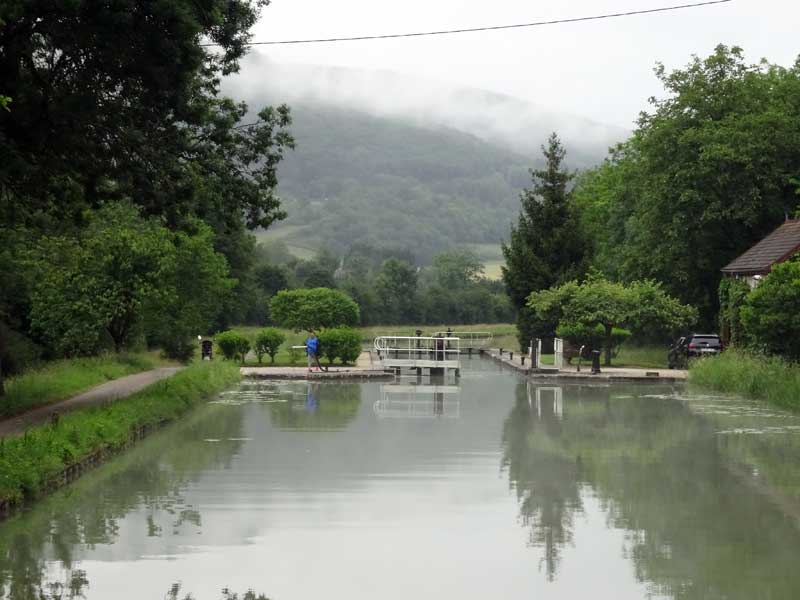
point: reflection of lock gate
(537, 395)
(437, 354)
(418, 402)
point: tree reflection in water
(545, 480)
(86, 513)
(693, 528)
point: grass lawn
(60, 379)
(647, 357)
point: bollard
(523, 360)
(511, 356)
(595, 362)
(501, 352)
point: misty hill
(394, 161)
(502, 120)
(360, 178)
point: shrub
(294, 355)
(771, 313)
(233, 345)
(342, 343)
(268, 341)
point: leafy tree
(457, 268)
(396, 288)
(271, 278)
(546, 246)
(313, 309)
(233, 345)
(598, 301)
(96, 284)
(707, 174)
(194, 287)
(268, 341)
(771, 313)
(94, 120)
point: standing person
(312, 350)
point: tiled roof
(776, 247)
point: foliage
(457, 268)
(152, 126)
(361, 179)
(268, 341)
(546, 246)
(594, 338)
(233, 345)
(705, 176)
(294, 355)
(93, 287)
(57, 380)
(396, 289)
(771, 313)
(122, 273)
(342, 343)
(29, 464)
(598, 301)
(313, 309)
(194, 287)
(732, 297)
(769, 378)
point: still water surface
(493, 489)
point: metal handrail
(414, 346)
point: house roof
(776, 247)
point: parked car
(692, 346)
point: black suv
(691, 346)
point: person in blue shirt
(312, 350)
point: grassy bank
(764, 378)
(29, 464)
(61, 379)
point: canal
(496, 488)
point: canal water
(495, 488)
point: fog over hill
(502, 120)
(404, 164)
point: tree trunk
(609, 331)
(2, 387)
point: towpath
(96, 396)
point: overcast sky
(602, 69)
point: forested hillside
(390, 184)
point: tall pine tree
(546, 247)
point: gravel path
(101, 394)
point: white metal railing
(469, 339)
(418, 347)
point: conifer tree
(546, 247)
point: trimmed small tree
(342, 343)
(610, 305)
(314, 308)
(233, 345)
(268, 341)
